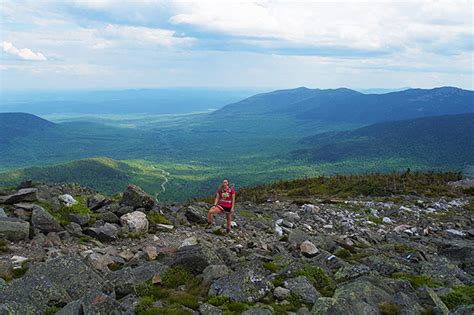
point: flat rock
(136, 197)
(308, 249)
(105, 233)
(301, 287)
(94, 302)
(14, 229)
(195, 215)
(43, 221)
(23, 195)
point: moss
(375, 219)
(143, 304)
(175, 276)
(278, 281)
(152, 291)
(218, 300)
(157, 218)
(168, 310)
(219, 232)
(237, 307)
(51, 310)
(318, 278)
(61, 215)
(184, 298)
(342, 253)
(247, 214)
(459, 296)
(400, 248)
(273, 265)
(4, 248)
(85, 239)
(389, 309)
(417, 280)
(284, 238)
(19, 272)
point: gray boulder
(302, 288)
(14, 229)
(2, 213)
(247, 284)
(196, 258)
(195, 215)
(25, 194)
(136, 222)
(79, 218)
(43, 221)
(94, 302)
(208, 309)
(105, 233)
(135, 197)
(430, 300)
(296, 237)
(96, 201)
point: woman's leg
(210, 215)
(228, 217)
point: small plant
(85, 239)
(185, 299)
(157, 218)
(273, 265)
(278, 281)
(175, 276)
(400, 248)
(51, 310)
(247, 214)
(342, 253)
(389, 309)
(318, 278)
(144, 303)
(237, 307)
(219, 232)
(375, 219)
(459, 296)
(218, 300)
(4, 248)
(417, 280)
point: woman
(224, 202)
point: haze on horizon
(106, 44)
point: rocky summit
(66, 249)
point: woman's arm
(216, 200)
(233, 203)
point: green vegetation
(51, 310)
(273, 265)
(389, 309)
(375, 219)
(417, 280)
(342, 253)
(157, 218)
(173, 277)
(318, 278)
(4, 248)
(218, 300)
(459, 296)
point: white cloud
(23, 53)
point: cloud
(24, 53)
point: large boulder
(14, 229)
(195, 215)
(105, 233)
(136, 222)
(247, 284)
(43, 221)
(135, 197)
(303, 289)
(94, 302)
(25, 194)
(196, 258)
(55, 282)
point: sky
(106, 44)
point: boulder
(104, 233)
(308, 249)
(247, 284)
(99, 261)
(296, 237)
(79, 218)
(281, 293)
(195, 258)
(195, 215)
(430, 300)
(96, 202)
(67, 200)
(43, 221)
(136, 222)
(2, 213)
(214, 272)
(258, 311)
(14, 229)
(135, 197)
(108, 216)
(302, 288)
(208, 309)
(94, 302)
(25, 194)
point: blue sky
(276, 44)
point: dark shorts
(222, 208)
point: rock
(470, 232)
(79, 218)
(247, 284)
(189, 241)
(43, 221)
(288, 224)
(53, 237)
(302, 288)
(281, 293)
(387, 220)
(214, 272)
(67, 200)
(96, 202)
(195, 258)
(258, 311)
(430, 300)
(55, 282)
(311, 209)
(94, 302)
(401, 228)
(463, 310)
(308, 249)
(296, 237)
(455, 233)
(23, 195)
(100, 262)
(164, 227)
(105, 233)
(135, 197)
(151, 252)
(194, 215)
(278, 230)
(127, 279)
(136, 222)
(74, 229)
(14, 229)
(2, 213)
(292, 216)
(208, 309)
(108, 216)
(351, 272)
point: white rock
(387, 220)
(136, 221)
(233, 224)
(164, 227)
(67, 200)
(278, 230)
(308, 208)
(308, 249)
(18, 260)
(279, 221)
(307, 226)
(189, 242)
(454, 232)
(328, 226)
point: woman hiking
(224, 202)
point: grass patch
(175, 276)
(318, 278)
(51, 310)
(184, 298)
(247, 214)
(157, 218)
(218, 300)
(273, 265)
(401, 248)
(417, 280)
(61, 215)
(389, 309)
(459, 296)
(219, 232)
(342, 253)
(375, 219)
(4, 248)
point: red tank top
(225, 197)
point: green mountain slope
(438, 142)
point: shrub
(4, 248)
(144, 303)
(459, 296)
(318, 278)
(184, 298)
(342, 253)
(157, 218)
(218, 300)
(175, 276)
(417, 280)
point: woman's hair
(220, 186)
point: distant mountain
(345, 105)
(21, 124)
(441, 141)
(381, 90)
